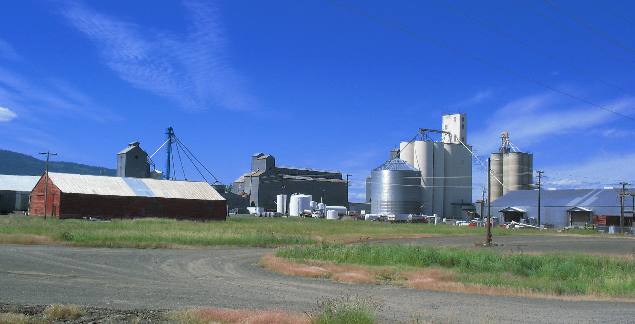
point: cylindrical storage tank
(514, 171)
(332, 214)
(497, 171)
(424, 162)
(457, 191)
(281, 204)
(438, 183)
(321, 206)
(530, 171)
(341, 210)
(406, 152)
(396, 189)
(299, 203)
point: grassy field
(239, 231)
(549, 274)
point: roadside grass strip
(237, 231)
(477, 270)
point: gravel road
(230, 277)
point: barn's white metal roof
(133, 187)
(18, 182)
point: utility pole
(46, 179)
(488, 239)
(540, 172)
(348, 205)
(622, 195)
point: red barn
(79, 196)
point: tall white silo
(424, 162)
(458, 180)
(406, 152)
(438, 182)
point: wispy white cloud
(7, 114)
(477, 98)
(607, 169)
(8, 52)
(192, 69)
(533, 119)
(48, 97)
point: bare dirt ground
(601, 245)
(135, 279)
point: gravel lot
(133, 279)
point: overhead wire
(394, 25)
(197, 160)
(497, 30)
(588, 26)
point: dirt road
(230, 277)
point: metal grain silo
(516, 171)
(406, 152)
(396, 189)
(497, 173)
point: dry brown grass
(432, 279)
(15, 318)
(28, 239)
(242, 316)
(58, 312)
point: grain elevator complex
(440, 171)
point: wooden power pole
(46, 179)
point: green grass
(239, 231)
(559, 274)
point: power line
(497, 30)
(197, 160)
(588, 26)
(441, 44)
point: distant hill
(22, 164)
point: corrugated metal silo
(497, 171)
(516, 171)
(396, 189)
(406, 150)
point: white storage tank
(340, 210)
(332, 214)
(281, 204)
(299, 203)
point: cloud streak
(534, 118)
(7, 114)
(48, 97)
(192, 69)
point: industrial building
(445, 168)
(567, 207)
(15, 191)
(132, 162)
(80, 196)
(266, 180)
(511, 169)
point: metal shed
(562, 207)
(78, 196)
(15, 191)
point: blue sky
(323, 84)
